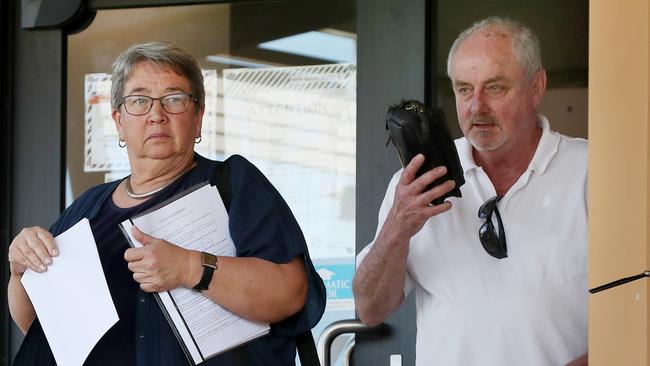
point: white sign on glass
(101, 152)
(298, 125)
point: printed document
(197, 220)
(71, 298)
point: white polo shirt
(527, 309)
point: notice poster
(101, 151)
(298, 126)
(337, 276)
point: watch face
(209, 260)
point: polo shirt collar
(546, 149)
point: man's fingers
(436, 192)
(437, 209)
(423, 181)
(410, 170)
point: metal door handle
(337, 328)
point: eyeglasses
(494, 244)
(137, 105)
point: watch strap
(209, 264)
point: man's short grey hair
(164, 55)
(525, 43)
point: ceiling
(561, 25)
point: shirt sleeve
(263, 226)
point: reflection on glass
(333, 46)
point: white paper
(72, 299)
(198, 221)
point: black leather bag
(416, 129)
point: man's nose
(478, 102)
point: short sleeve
(263, 226)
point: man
(530, 307)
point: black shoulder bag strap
(307, 349)
(305, 340)
(222, 181)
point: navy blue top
(261, 225)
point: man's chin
(485, 144)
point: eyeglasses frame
(192, 98)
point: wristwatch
(209, 263)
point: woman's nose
(157, 113)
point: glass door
(280, 83)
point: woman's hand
(160, 265)
(32, 248)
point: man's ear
(539, 86)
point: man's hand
(411, 208)
(379, 282)
(160, 265)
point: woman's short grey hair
(525, 43)
(164, 55)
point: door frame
(396, 49)
(33, 115)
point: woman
(157, 99)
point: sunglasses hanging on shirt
(493, 243)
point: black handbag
(415, 129)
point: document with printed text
(71, 298)
(197, 220)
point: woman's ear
(117, 118)
(199, 121)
